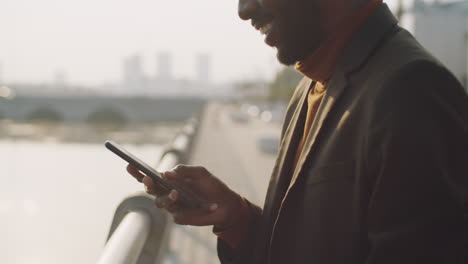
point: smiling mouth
(265, 29)
(263, 23)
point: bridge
(141, 233)
(99, 108)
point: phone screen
(184, 198)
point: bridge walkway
(229, 150)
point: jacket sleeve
(244, 254)
(418, 164)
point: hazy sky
(88, 39)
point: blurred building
(442, 28)
(164, 66)
(164, 84)
(134, 78)
(1, 74)
(203, 68)
(60, 79)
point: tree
(400, 10)
(284, 84)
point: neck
(336, 11)
(321, 63)
(360, 3)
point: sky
(88, 39)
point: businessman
(373, 162)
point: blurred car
(269, 144)
(239, 117)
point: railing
(140, 232)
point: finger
(135, 173)
(188, 176)
(169, 175)
(154, 188)
(181, 168)
(197, 217)
(187, 185)
(168, 202)
(197, 187)
(187, 171)
(176, 179)
(163, 202)
(174, 205)
(149, 185)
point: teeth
(266, 29)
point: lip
(265, 25)
(271, 34)
(270, 40)
(261, 22)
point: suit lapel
(293, 133)
(333, 93)
(280, 179)
(371, 34)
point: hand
(219, 204)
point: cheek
(273, 6)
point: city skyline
(159, 66)
(137, 80)
(87, 39)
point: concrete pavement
(228, 148)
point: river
(57, 199)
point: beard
(295, 50)
(300, 34)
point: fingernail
(213, 207)
(172, 195)
(169, 173)
(158, 204)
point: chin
(290, 57)
(292, 52)
(286, 59)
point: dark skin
(219, 204)
(295, 28)
(298, 26)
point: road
(228, 148)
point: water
(57, 199)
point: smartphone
(185, 199)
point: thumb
(209, 207)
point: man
(373, 163)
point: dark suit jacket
(384, 173)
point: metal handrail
(128, 240)
(140, 232)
